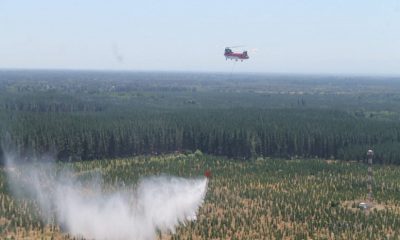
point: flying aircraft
(229, 54)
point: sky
(287, 36)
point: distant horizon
(94, 70)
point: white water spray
(157, 203)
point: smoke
(117, 54)
(85, 208)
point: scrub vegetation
(263, 198)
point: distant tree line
(79, 115)
(236, 132)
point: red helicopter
(229, 54)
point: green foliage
(93, 115)
(198, 153)
(273, 198)
(241, 134)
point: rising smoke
(84, 209)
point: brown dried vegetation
(259, 199)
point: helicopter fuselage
(229, 54)
(236, 56)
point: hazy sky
(292, 36)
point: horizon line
(385, 75)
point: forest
(267, 199)
(285, 154)
(83, 115)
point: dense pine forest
(78, 115)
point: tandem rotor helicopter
(229, 54)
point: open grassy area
(261, 199)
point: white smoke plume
(83, 209)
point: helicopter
(229, 54)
